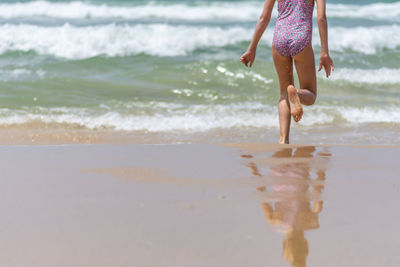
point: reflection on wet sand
(292, 198)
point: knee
(314, 98)
(311, 100)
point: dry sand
(199, 205)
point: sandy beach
(131, 135)
(199, 205)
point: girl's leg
(305, 67)
(284, 69)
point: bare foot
(283, 141)
(295, 106)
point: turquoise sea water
(173, 67)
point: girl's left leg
(284, 69)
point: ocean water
(172, 67)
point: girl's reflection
(294, 197)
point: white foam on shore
(369, 76)
(165, 117)
(198, 118)
(111, 40)
(237, 11)
(370, 115)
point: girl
(292, 42)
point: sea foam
(199, 118)
(367, 40)
(82, 10)
(115, 40)
(369, 76)
(20, 74)
(74, 42)
(237, 11)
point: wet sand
(199, 205)
(39, 133)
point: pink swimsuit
(293, 29)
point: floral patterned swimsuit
(293, 29)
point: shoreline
(42, 134)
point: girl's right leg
(307, 94)
(305, 67)
(284, 69)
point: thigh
(284, 69)
(305, 67)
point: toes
(300, 116)
(297, 116)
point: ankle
(283, 140)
